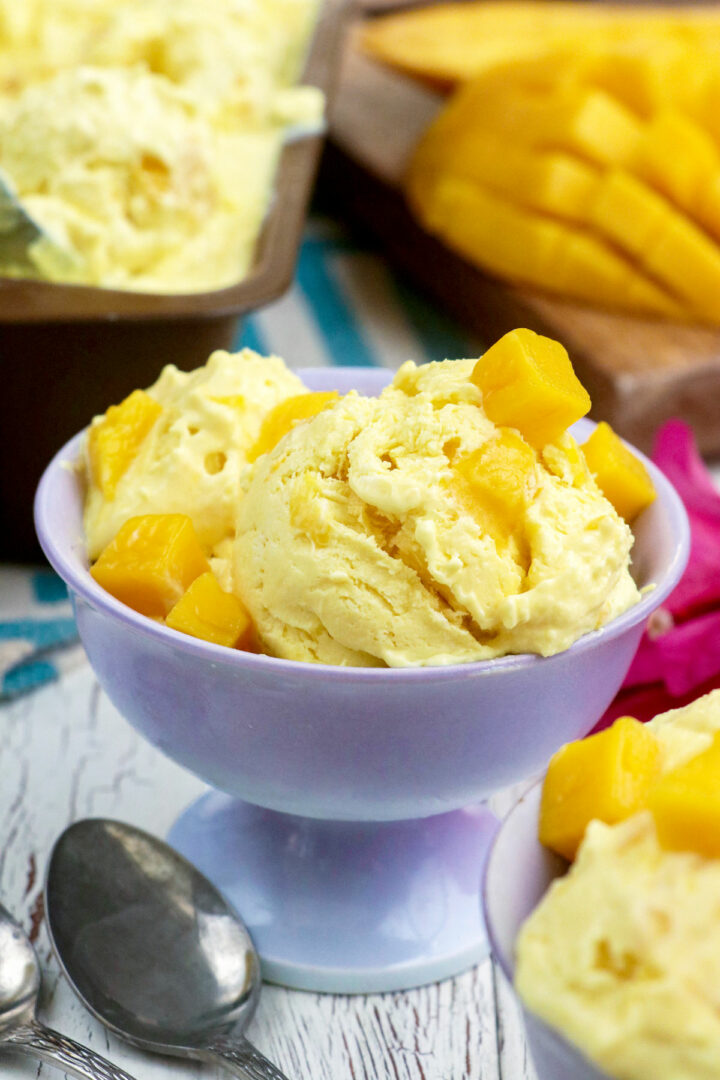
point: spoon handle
(242, 1058)
(39, 1041)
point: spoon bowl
(20, 980)
(152, 949)
(19, 974)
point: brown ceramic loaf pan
(69, 351)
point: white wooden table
(65, 754)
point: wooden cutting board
(639, 372)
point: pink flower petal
(690, 654)
(679, 658)
(647, 701)
(676, 454)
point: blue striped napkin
(345, 307)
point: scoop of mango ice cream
(233, 56)
(190, 460)
(622, 955)
(360, 542)
(127, 178)
(237, 58)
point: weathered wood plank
(67, 754)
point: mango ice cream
(362, 540)
(450, 519)
(144, 137)
(622, 955)
(189, 460)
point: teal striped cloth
(345, 307)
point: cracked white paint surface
(65, 753)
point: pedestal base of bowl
(347, 907)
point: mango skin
(151, 562)
(605, 777)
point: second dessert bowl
(518, 873)
(346, 822)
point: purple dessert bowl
(381, 747)
(518, 873)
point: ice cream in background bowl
(452, 518)
(346, 823)
(144, 138)
(615, 961)
(245, 72)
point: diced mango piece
(206, 612)
(527, 382)
(151, 562)
(500, 473)
(114, 441)
(286, 414)
(620, 475)
(607, 777)
(686, 805)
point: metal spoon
(152, 948)
(22, 238)
(19, 1029)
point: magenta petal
(644, 702)
(647, 665)
(676, 454)
(690, 653)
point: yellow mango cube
(114, 441)
(500, 474)
(686, 805)
(620, 475)
(206, 612)
(151, 562)
(605, 777)
(288, 413)
(527, 382)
